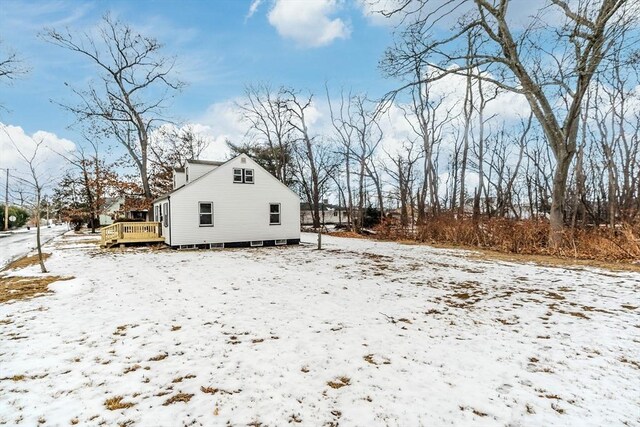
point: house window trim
(279, 213)
(200, 214)
(243, 176)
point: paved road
(22, 242)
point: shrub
(528, 236)
(22, 216)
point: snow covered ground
(362, 333)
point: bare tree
(134, 85)
(269, 117)
(433, 117)
(546, 62)
(403, 175)
(86, 165)
(359, 125)
(97, 178)
(171, 147)
(11, 66)
(35, 182)
(344, 136)
(315, 162)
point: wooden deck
(122, 233)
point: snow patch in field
(361, 333)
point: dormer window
(242, 176)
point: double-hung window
(237, 175)
(248, 176)
(206, 214)
(242, 176)
(274, 213)
(165, 214)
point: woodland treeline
(493, 120)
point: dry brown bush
(528, 237)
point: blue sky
(219, 46)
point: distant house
(333, 214)
(123, 207)
(112, 206)
(232, 204)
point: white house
(111, 207)
(329, 214)
(121, 207)
(227, 204)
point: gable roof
(214, 163)
(207, 162)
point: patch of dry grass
(26, 261)
(215, 390)
(180, 397)
(180, 379)
(23, 287)
(372, 359)
(633, 363)
(159, 357)
(339, 382)
(132, 368)
(15, 378)
(116, 403)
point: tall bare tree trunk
(38, 241)
(558, 196)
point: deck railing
(131, 232)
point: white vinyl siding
(179, 179)
(240, 211)
(196, 170)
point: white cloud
(309, 23)
(255, 4)
(49, 162)
(220, 122)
